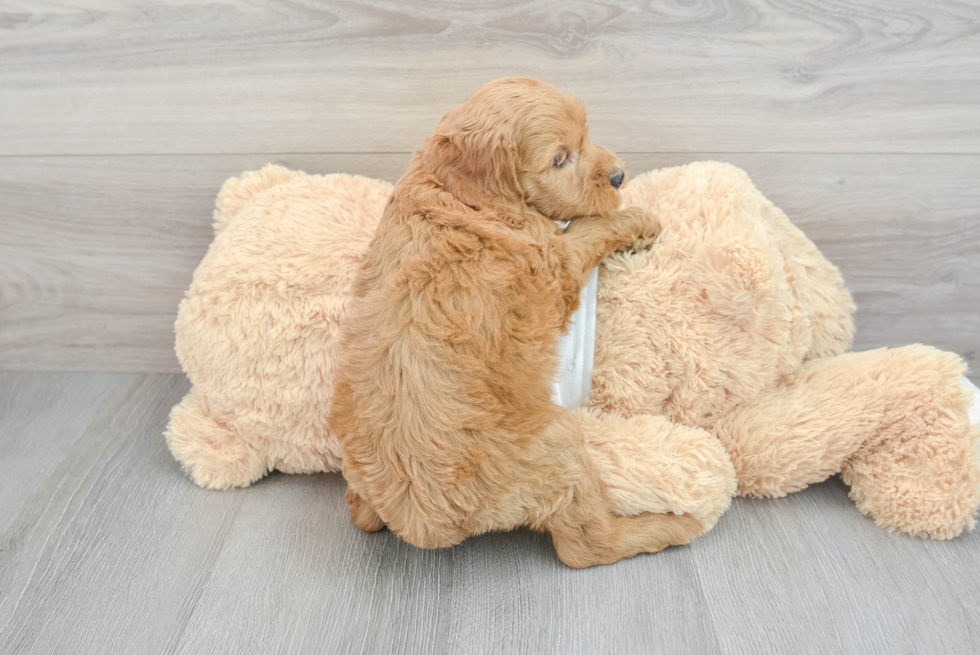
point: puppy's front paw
(643, 229)
(641, 245)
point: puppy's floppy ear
(478, 166)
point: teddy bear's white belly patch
(974, 411)
(577, 351)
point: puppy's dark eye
(560, 159)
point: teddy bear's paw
(922, 476)
(650, 465)
(213, 455)
(926, 487)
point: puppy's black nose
(616, 177)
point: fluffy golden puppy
(443, 402)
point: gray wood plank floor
(106, 547)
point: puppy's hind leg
(587, 532)
(585, 538)
(362, 513)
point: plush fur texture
(732, 307)
(259, 330)
(755, 297)
(740, 323)
(898, 435)
(224, 432)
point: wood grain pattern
(97, 251)
(812, 577)
(108, 548)
(231, 76)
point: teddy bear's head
(730, 299)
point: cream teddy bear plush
(718, 363)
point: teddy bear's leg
(802, 431)
(893, 422)
(208, 449)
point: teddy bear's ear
(237, 191)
